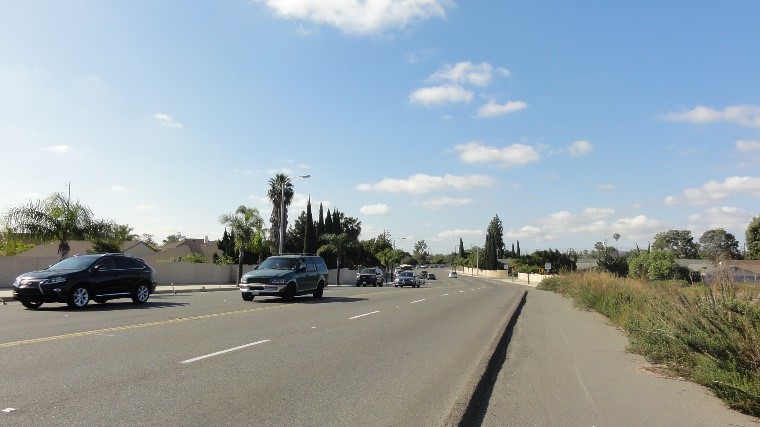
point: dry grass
(707, 334)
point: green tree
(278, 186)
(173, 238)
(11, 245)
(718, 245)
(338, 245)
(653, 265)
(328, 224)
(678, 242)
(310, 244)
(420, 251)
(320, 222)
(56, 218)
(246, 226)
(752, 239)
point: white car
(453, 274)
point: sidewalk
(565, 366)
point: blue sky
(571, 121)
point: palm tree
(275, 195)
(56, 218)
(247, 226)
(337, 244)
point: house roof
(749, 265)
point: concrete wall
(166, 272)
(502, 274)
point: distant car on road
(407, 278)
(370, 276)
(431, 276)
(81, 278)
(453, 274)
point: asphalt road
(359, 356)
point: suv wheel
(32, 305)
(320, 290)
(141, 295)
(247, 296)
(79, 297)
(290, 292)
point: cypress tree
(310, 234)
(328, 223)
(321, 223)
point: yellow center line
(128, 327)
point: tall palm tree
(247, 226)
(275, 195)
(56, 218)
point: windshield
(278, 263)
(406, 274)
(74, 263)
(368, 271)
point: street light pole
(282, 208)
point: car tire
(32, 305)
(78, 297)
(247, 296)
(290, 292)
(141, 294)
(320, 290)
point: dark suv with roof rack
(285, 276)
(81, 278)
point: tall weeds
(707, 334)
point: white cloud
(465, 73)
(725, 217)
(378, 209)
(598, 213)
(605, 187)
(439, 95)
(513, 155)
(579, 148)
(446, 201)
(593, 224)
(167, 121)
(528, 231)
(116, 189)
(58, 148)
(460, 233)
(744, 146)
(421, 183)
(359, 17)
(492, 109)
(744, 115)
(714, 191)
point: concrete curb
(470, 408)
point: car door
(310, 276)
(104, 278)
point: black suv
(370, 276)
(286, 276)
(81, 278)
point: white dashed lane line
(362, 315)
(195, 359)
